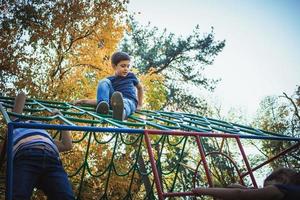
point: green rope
(122, 143)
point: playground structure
(137, 151)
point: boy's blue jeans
(105, 91)
(42, 169)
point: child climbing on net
(122, 91)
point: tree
(280, 115)
(155, 92)
(38, 39)
(180, 60)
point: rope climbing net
(152, 155)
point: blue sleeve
(110, 77)
(134, 79)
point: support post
(202, 154)
(9, 169)
(246, 162)
(154, 167)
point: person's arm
(237, 185)
(92, 102)
(266, 193)
(140, 95)
(65, 144)
(19, 104)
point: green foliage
(155, 91)
(280, 115)
(181, 60)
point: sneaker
(102, 108)
(117, 105)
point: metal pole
(246, 162)
(273, 158)
(202, 154)
(9, 170)
(154, 168)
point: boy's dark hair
(284, 176)
(118, 57)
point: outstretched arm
(267, 193)
(19, 104)
(65, 144)
(140, 95)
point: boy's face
(122, 68)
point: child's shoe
(102, 108)
(117, 105)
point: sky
(262, 52)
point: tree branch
(296, 112)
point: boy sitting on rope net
(122, 92)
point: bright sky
(262, 51)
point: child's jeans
(105, 91)
(42, 169)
